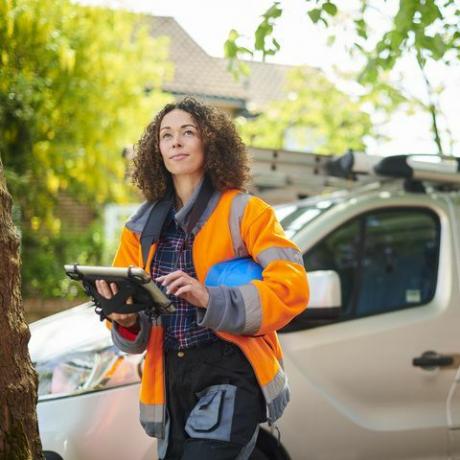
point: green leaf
(330, 40)
(233, 35)
(405, 14)
(395, 39)
(430, 12)
(439, 48)
(330, 8)
(262, 32)
(370, 73)
(230, 49)
(274, 12)
(361, 28)
(315, 14)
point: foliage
(42, 270)
(318, 115)
(427, 30)
(73, 83)
(430, 27)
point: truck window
(387, 260)
(294, 217)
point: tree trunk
(19, 438)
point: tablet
(132, 282)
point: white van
(373, 363)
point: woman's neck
(184, 187)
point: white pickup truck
(373, 364)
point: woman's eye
(166, 135)
(188, 132)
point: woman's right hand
(107, 291)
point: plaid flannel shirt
(174, 252)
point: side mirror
(325, 291)
(325, 302)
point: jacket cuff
(137, 343)
(228, 310)
(212, 316)
(129, 333)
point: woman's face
(181, 145)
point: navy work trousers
(214, 403)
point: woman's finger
(177, 283)
(170, 277)
(103, 289)
(194, 293)
(188, 288)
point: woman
(213, 369)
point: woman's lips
(179, 156)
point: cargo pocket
(212, 416)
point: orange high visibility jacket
(234, 224)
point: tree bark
(19, 438)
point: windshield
(294, 217)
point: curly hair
(226, 161)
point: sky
(302, 43)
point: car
(373, 363)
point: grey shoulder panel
(137, 221)
(207, 212)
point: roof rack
(427, 168)
(306, 174)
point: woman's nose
(177, 142)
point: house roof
(197, 73)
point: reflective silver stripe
(151, 413)
(154, 429)
(252, 307)
(276, 406)
(271, 254)
(236, 214)
(276, 395)
(273, 388)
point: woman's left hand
(184, 286)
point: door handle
(430, 360)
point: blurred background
(80, 81)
